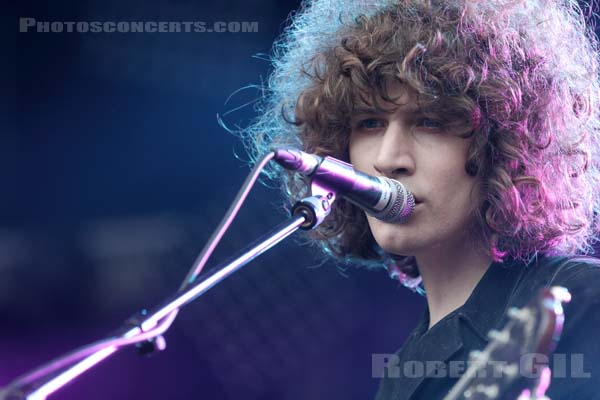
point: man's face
(429, 160)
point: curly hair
(520, 77)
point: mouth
(418, 202)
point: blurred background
(115, 172)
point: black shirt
(576, 371)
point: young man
(488, 112)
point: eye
(369, 124)
(430, 124)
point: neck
(449, 277)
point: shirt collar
(482, 312)
(487, 304)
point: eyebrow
(361, 110)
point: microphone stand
(146, 327)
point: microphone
(384, 198)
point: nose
(395, 156)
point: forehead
(395, 96)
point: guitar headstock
(516, 358)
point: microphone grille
(402, 206)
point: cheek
(359, 150)
(452, 193)
(453, 207)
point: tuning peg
(475, 355)
(518, 314)
(489, 391)
(501, 337)
(510, 370)
(561, 293)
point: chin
(400, 249)
(395, 238)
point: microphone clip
(314, 209)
